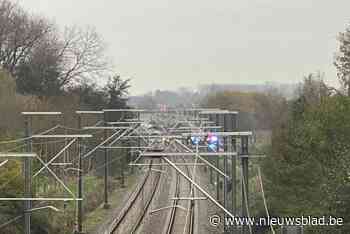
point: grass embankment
(99, 215)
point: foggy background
(163, 44)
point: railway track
(190, 217)
(178, 222)
(170, 226)
(181, 214)
(128, 211)
(189, 228)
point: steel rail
(189, 226)
(171, 222)
(147, 205)
(116, 223)
(132, 201)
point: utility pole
(138, 144)
(80, 182)
(215, 116)
(121, 113)
(229, 123)
(81, 153)
(106, 205)
(211, 173)
(27, 168)
(27, 177)
(212, 117)
(225, 180)
(217, 164)
(220, 121)
(245, 181)
(122, 176)
(122, 161)
(233, 147)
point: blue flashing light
(213, 142)
(195, 140)
(212, 147)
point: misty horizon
(169, 44)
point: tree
(62, 60)
(117, 90)
(10, 104)
(231, 100)
(39, 73)
(342, 59)
(244, 102)
(306, 170)
(270, 108)
(81, 55)
(19, 34)
(43, 59)
(12, 185)
(90, 96)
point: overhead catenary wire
(48, 142)
(264, 198)
(28, 138)
(101, 166)
(11, 221)
(246, 201)
(78, 129)
(137, 129)
(15, 218)
(191, 192)
(42, 133)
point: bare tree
(82, 55)
(39, 73)
(44, 59)
(19, 34)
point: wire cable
(264, 198)
(78, 129)
(246, 200)
(11, 221)
(28, 138)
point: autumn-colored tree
(342, 59)
(306, 171)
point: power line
(246, 201)
(264, 198)
(28, 138)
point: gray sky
(166, 44)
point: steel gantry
(198, 126)
(126, 125)
(27, 168)
(107, 143)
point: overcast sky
(166, 44)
